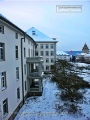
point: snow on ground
(43, 108)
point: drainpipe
(22, 67)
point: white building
(46, 47)
(61, 55)
(17, 65)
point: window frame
(18, 93)
(17, 73)
(5, 107)
(2, 29)
(16, 52)
(47, 53)
(3, 81)
(2, 51)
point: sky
(72, 29)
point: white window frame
(5, 107)
(17, 73)
(2, 51)
(52, 46)
(16, 52)
(47, 46)
(3, 81)
(18, 93)
(2, 29)
(41, 46)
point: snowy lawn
(44, 107)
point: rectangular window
(1, 29)
(52, 53)
(2, 51)
(24, 52)
(47, 60)
(36, 53)
(5, 107)
(52, 46)
(41, 46)
(47, 46)
(47, 53)
(18, 93)
(3, 80)
(25, 69)
(25, 86)
(16, 52)
(52, 60)
(47, 67)
(42, 53)
(16, 35)
(17, 73)
(28, 52)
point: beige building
(46, 47)
(19, 77)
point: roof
(13, 25)
(61, 53)
(39, 36)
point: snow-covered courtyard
(44, 107)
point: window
(42, 53)
(16, 35)
(28, 52)
(25, 86)
(2, 51)
(47, 46)
(52, 46)
(52, 60)
(47, 53)
(47, 60)
(36, 53)
(25, 69)
(24, 52)
(16, 52)
(1, 29)
(41, 46)
(52, 53)
(47, 67)
(5, 107)
(24, 39)
(3, 80)
(33, 32)
(17, 73)
(18, 93)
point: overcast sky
(72, 30)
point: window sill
(4, 88)
(17, 79)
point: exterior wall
(44, 53)
(9, 65)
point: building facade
(46, 47)
(16, 51)
(61, 55)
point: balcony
(34, 59)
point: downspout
(22, 67)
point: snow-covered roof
(87, 55)
(61, 53)
(39, 36)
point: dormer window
(1, 29)
(33, 32)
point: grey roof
(39, 36)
